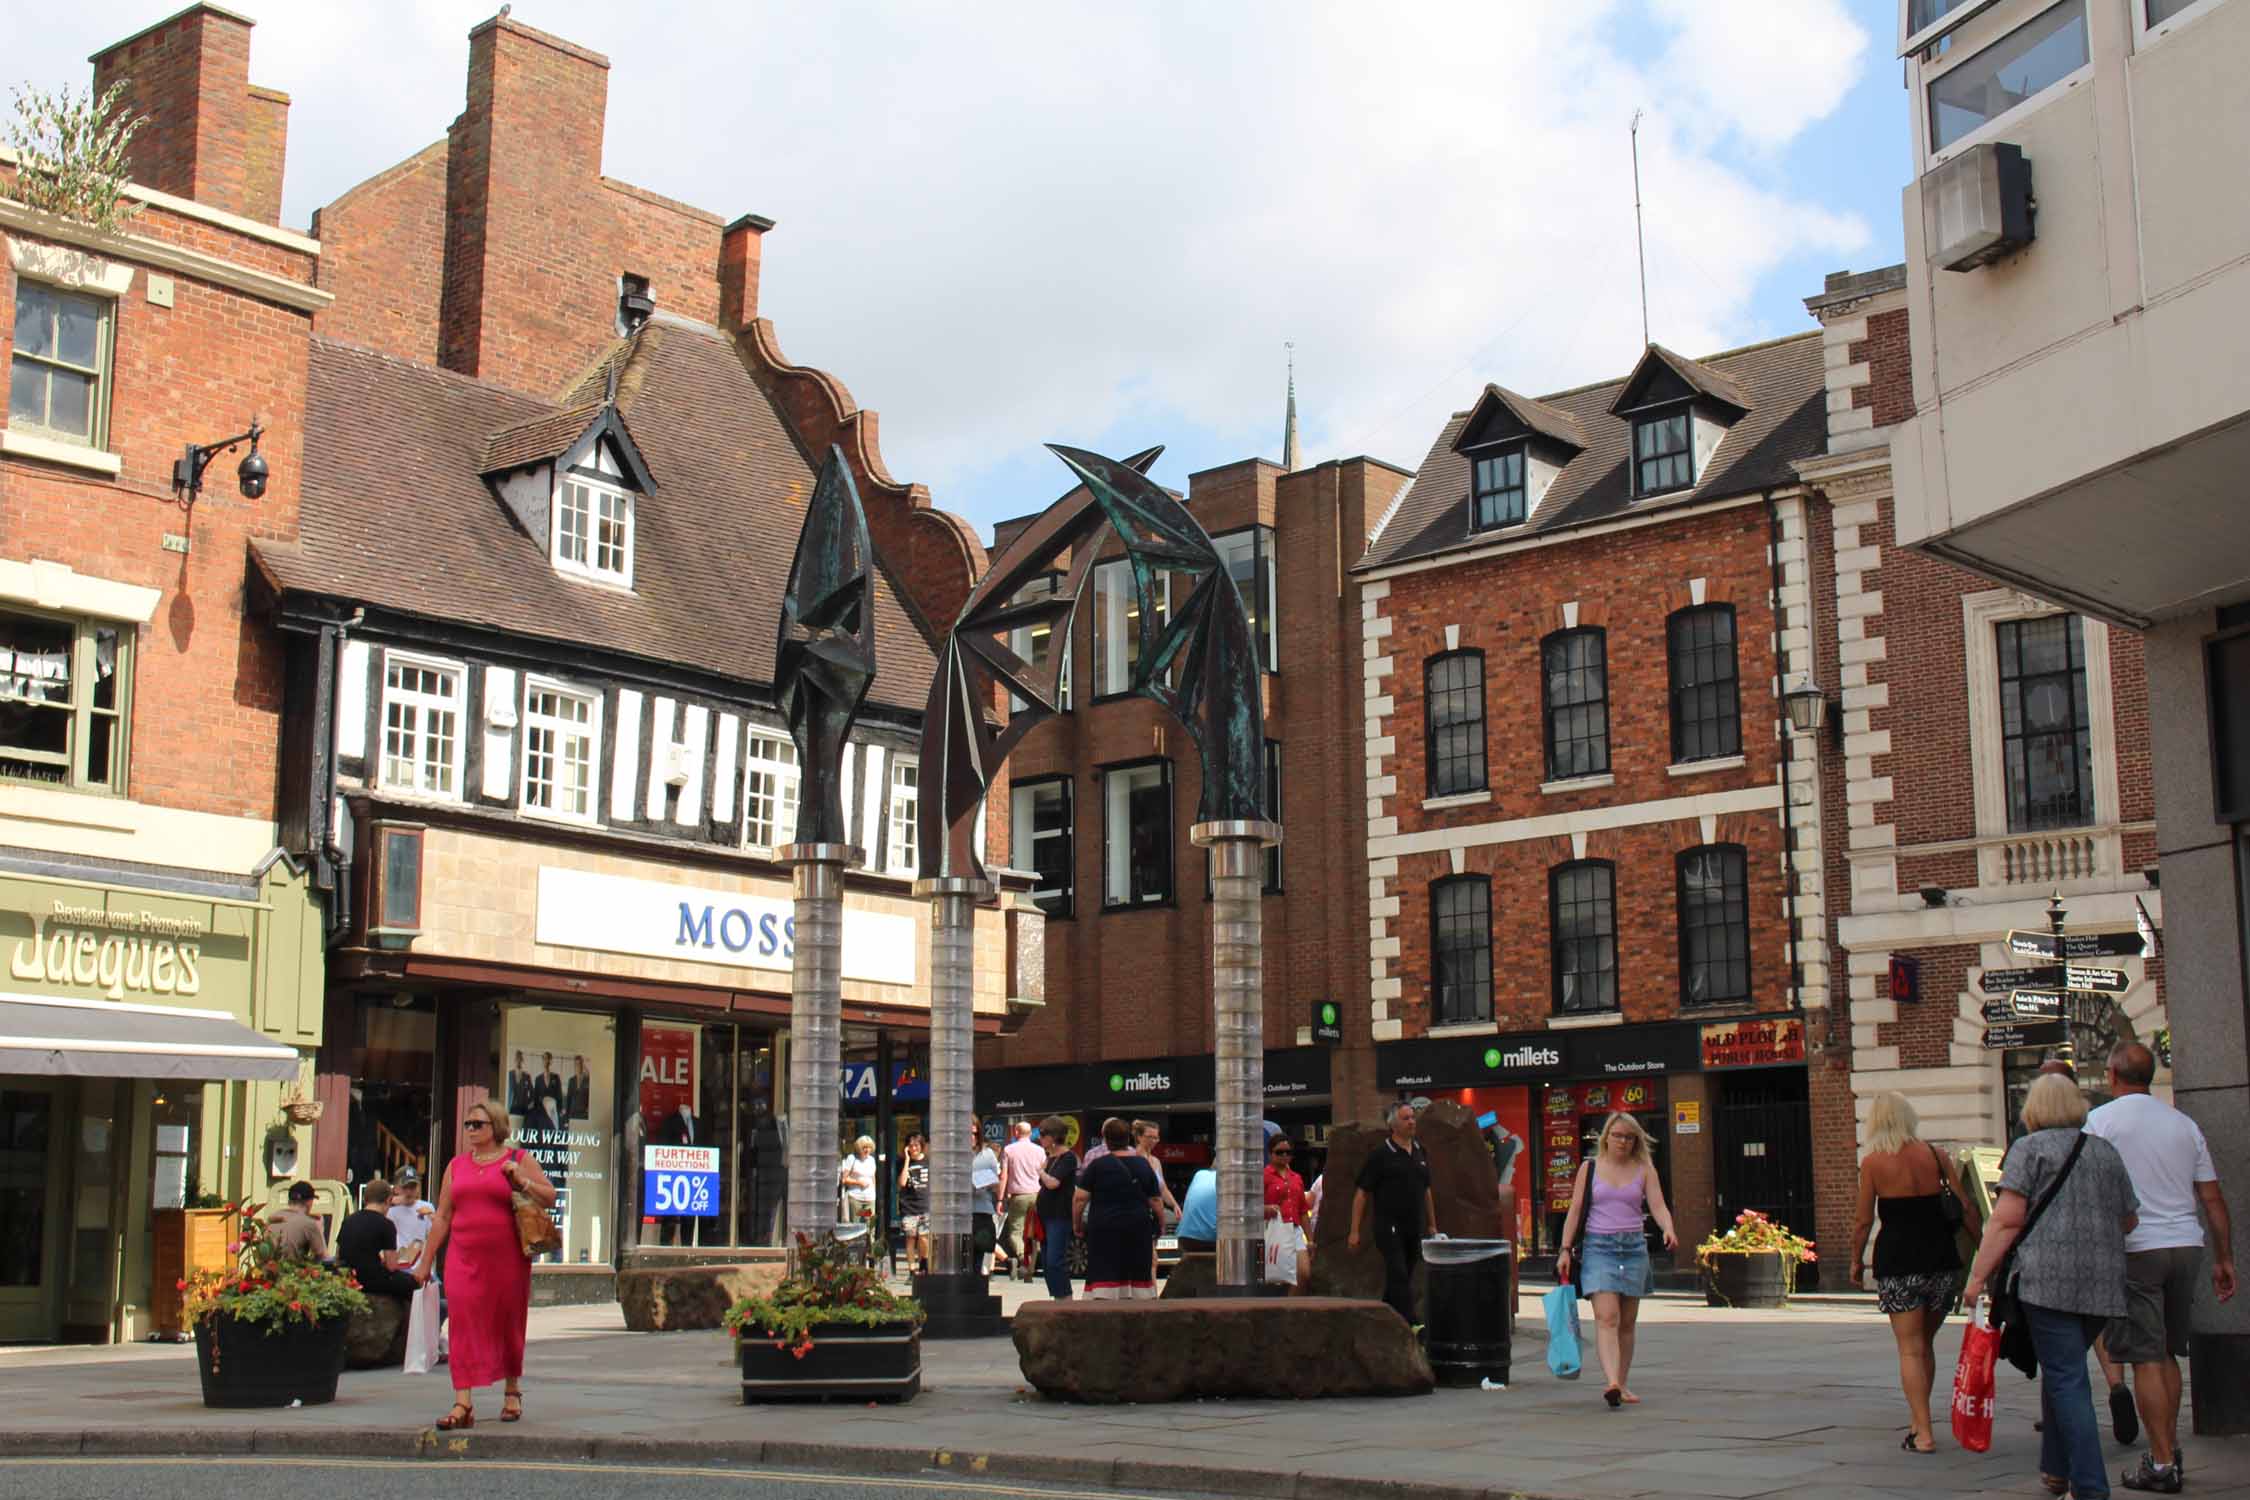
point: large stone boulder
(1337, 1269)
(1286, 1347)
(665, 1299)
(1197, 1275)
(1462, 1177)
(376, 1337)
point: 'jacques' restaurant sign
(116, 953)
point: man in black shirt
(914, 1201)
(1394, 1185)
(363, 1239)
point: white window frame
(1024, 837)
(1116, 614)
(1265, 625)
(535, 720)
(456, 703)
(1987, 29)
(598, 491)
(1117, 831)
(2146, 36)
(788, 786)
(901, 851)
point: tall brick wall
(206, 695)
(382, 252)
(190, 76)
(1890, 386)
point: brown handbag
(536, 1232)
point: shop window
(561, 750)
(1248, 558)
(1461, 950)
(1575, 688)
(710, 1088)
(1582, 907)
(1995, 79)
(1453, 696)
(422, 716)
(1117, 624)
(1137, 834)
(1033, 642)
(1663, 452)
(1039, 829)
(1497, 489)
(58, 368)
(1706, 711)
(2045, 729)
(1714, 925)
(769, 794)
(64, 695)
(560, 1094)
(906, 799)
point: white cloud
(1002, 224)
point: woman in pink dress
(487, 1277)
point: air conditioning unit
(1978, 206)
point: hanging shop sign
(1754, 1042)
(1328, 1023)
(657, 919)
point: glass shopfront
(558, 1081)
(711, 1087)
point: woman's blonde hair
(1891, 1123)
(1640, 1137)
(866, 1140)
(496, 1116)
(2053, 1101)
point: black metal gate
(1764, 1140)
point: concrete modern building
(2078, 277)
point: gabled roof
(397, 515)
(1501, 406)
(546, 438)
(1777, 386)
(1701, 379)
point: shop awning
(97, 1039)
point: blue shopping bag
(1562, 1332)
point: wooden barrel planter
(882, 1362)
(244, 1365)
(1754, 1278)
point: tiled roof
(1699, 376)
(396, 516)
(1534, 416)
(1777, 385)
(537, 439)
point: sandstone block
(665, 1299)
(1292, 1347)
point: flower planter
(878, 1363)
(1753, 1278)
(243, 1365)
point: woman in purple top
(1621, 1180)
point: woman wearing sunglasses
(1285, 1206)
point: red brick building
(1104, 797)
(142, 888)
(1577, 625)
(1994, 752)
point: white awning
(99, 1039)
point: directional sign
(2076, 945)
(2099, 981)
(2000, 981)
(2025, 1034)
(2036, 1005)
(1998, 1013)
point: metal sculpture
(824, 663)
(1198, 659)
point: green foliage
(70, 154)
(828, 1287)
(269, 1289)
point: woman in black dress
(1114, 1210)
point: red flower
(179, 1286)
(296, 1306)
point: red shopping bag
(1972, 1382)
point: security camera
(253, 473)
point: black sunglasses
(1285, 1153)
(476, 1124)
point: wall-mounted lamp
(251, 473)
(1807, 707)
(1934, 895)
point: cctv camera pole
(1238, 877)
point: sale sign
(667, 1071)
(680, 1181)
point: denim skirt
(1617, 1263)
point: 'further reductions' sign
(680, 1182)
(1754, 1042)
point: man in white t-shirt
(2170, 1165)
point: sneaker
(2147, 1476)
(2123, 1419)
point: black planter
(883, 1363)
(1754, 1279)
(257, 1368)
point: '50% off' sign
(680, 1181)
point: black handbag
(1948, 1204)
(2007, 1308)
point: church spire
(1291, 460)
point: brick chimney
(740, 251)
(1869, 372)
(523, 169)
(209, 136)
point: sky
(1002, 225)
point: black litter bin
(1468, 1295)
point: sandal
(462, 1416)
(1911, 1446)
(1614, 1397)
(2054, 1486)
(511, 1407)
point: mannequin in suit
(519, 1088)
(679, 1128)
(578, 1102)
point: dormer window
(1497, 488)
(594, 529)
(1663, 452)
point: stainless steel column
(816, 1033)
(1238, 879)
(953, 911)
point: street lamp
(251, 473)
(1807, 706)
